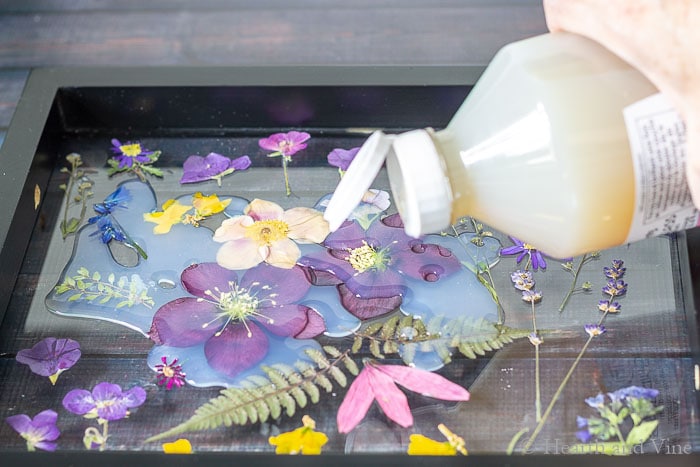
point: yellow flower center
(528, 247)
(237, 304)
(366, 257)
(131, 150)
(268, 231)
(168, 371)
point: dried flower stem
(538, 398)
(560, 389)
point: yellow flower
(181, 446)
(420, 445)
(303, 440)
(170, 215)
(208, 205)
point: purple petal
(197, 168)
(367, 308)
(79, 401)
(47, 417)
(235, 350)
(425, 261)
(315, 325)
(240, 163)
(394, 221)
(201, 277)
(20, 423)
(184, 322)
(288, 320)
(511, 250)
(376, 284)
(276, 285)
(110, 405)
(46, 445)
(134, 397)
(272, 142)
(342, 158)
(386, 233)
(50, 355)
(348, 235)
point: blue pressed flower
(212, 167)
(636, 392)
(523, 250)
(109, 231)
(119, 198)
(522, 280)
(583, 435)
(128, 153)
(534, 339)
(597, 401)
(613, 272)
(594, 330)
(40, 432)
(531, 296)
(609, 306)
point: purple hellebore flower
(369, 267)
(525, 249)
(230, 315)
(41, 432)
(106, 400)
(342, 158)
(212, 167)
(285, 144)
(50, 357)
(128, 153)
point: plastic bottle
(540, 150)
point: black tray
(195, 110)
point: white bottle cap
(358, 178)
(419, 183)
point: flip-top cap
(358, 178)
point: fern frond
(283, 388)
(408, 335)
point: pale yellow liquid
(539, 149)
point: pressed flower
(173, 213)
(535, 339)
(106, 401)
(342, 158)
(40, 432)
(179, 446)
(107, 226)
(609, 306)
(522, 280)
(583, 435)
(204, 206)
(377, 381)
(523, 250)
(170, 374)
(266, 232)
(128, 153)
(420, 445)
(212, 167)
(615, 287)
(303, 440)
(594, 330)
(285, 145)
(531, 296)
(595, 402)
(232, 315)
(372, 205)
(50, 357)
(636, 392)
(373, 265)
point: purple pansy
(128, 153)
(369, 267)
(212, 167)
(230, 315)
(40, 432)
(50, 357)
(285, 144)
(107, 401)
(523, 250)
(342, 158)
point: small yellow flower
(208, 205)
(303, 440)
(420, 445)
(181, 446)
(171, 214)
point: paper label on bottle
(657, 137)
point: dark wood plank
(450, 35)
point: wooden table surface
(58, 33)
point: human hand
(659, 38)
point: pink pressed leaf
(356, 403)
(424, 382)
(390, 398)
